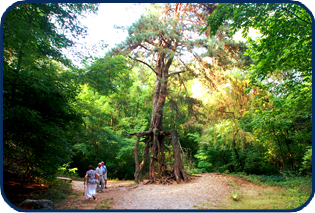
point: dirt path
(209, 188)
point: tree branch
(191, 71)
(146, 48)
(149, 42)
(161, 36)
(143, 63)
(295, 15)
(183, 85)
(174, 73)
(139, 134)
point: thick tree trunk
(158, 103)
(155, 135)
(179, 171)
(153, 152)
(155, 101)
(156, 124)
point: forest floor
(208, 191)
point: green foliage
(56, 191)
(40, 31)
(285, 28)
(39, 92)
(97, 141)
(214, 158)
(65, 171)
(255, 161)
(278, 118)
(307, 161)
(38, 113)
(204, 165)
(108, 75)
(297, 188)
(196, 171)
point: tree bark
(162, 162)
(179, 171)
(155, 101)
(153, 152)
(288, 142)
(158, 103)
(137, 166)
(144, 158)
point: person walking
(99, 171)
(91, 178)
(104, 173)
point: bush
(307, 162)
(254, 161)
(64, 171)
(205, 165)
(196, 171)
(57, 190)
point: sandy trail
(209, 188)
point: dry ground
(210, 189)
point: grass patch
(292, 190)
(105, 204)
(132, 184)
(277, 192)
(250, 200)
(73, 195)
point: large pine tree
(160, 40)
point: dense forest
(236, 106)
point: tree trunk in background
(144, 158)
(137, 166)
(234, 148)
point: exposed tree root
(149, 181)
(154, 144)
(133, 187)
(168, 179)
(194, 175)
